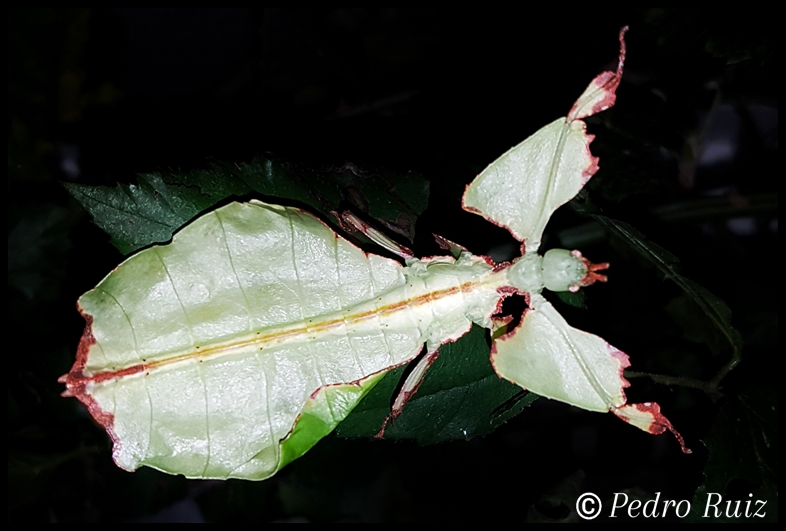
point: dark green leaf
(689, 311)
(151, 211)
(138, 215)
(702, 315)
(651, 252)
(743, 458)
(461, 397)
(571, 298)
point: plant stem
(711, 388)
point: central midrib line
(281, 333)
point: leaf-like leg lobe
(647, 417)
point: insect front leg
(410, 387)
(352, 224)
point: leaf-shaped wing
(549, 357)
(545, 171)
(200, 355)
(522, 188)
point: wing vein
(309, 344)
(234, 272)
(141, 360)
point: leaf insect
(232, 350)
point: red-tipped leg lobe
(647, 416)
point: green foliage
(468, 102)
(137, 215)
(572, 298)
(743, 460)
(704, 317)
(462, 397)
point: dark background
(687, 156)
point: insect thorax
(557, 270)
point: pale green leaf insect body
(234, 349)
(205, 351)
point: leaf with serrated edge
(137, 215)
